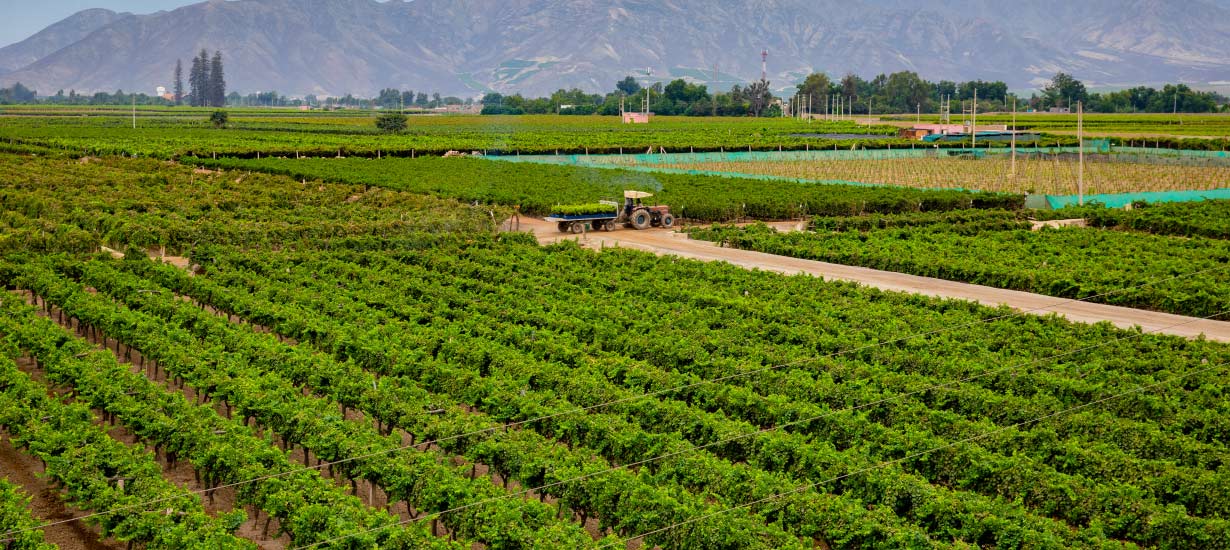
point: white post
(1012, 172)
(1080, 143)
(134, 111)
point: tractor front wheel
(668, 221)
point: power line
(750, 434)
(656, 393)
(909, 457)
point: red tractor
(639, 216)
(633, 213)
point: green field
(1000, 250)
(538, 188)
(346, 353)
(161, 133)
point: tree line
(677, 97)
(895, 93)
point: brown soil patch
(46, 505)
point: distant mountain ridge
(63, 33)
(465, 47)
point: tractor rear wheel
(668, 221)
(641, 219)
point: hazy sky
(23, 18)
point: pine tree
(217, 82)
(194, 82)
(204, 101)
(198, 80)
(179, 82)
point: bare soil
(1077, 222)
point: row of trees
(677, 97)
(900, 92)
(392, 98)
(118, 97)
(206, 81)
(17, 94)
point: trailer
(632, 214)
(578, 223)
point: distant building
(1060, 110)
(920, 131)
(305, 107)
(637, 117)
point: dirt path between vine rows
(664, 242)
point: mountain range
(466, 47)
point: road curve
(664, 242)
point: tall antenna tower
(764, 64)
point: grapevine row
(855, 431)
(98, 473)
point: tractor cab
(632, 200)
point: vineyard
(996, 249)
(1034, 173)
(163, 136)
(346, 353)
(539, 188)
(74, 206)
(1200, 219)
(1140, 127)
(402, 341)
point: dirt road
(663, 242)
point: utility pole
(1080, 142)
